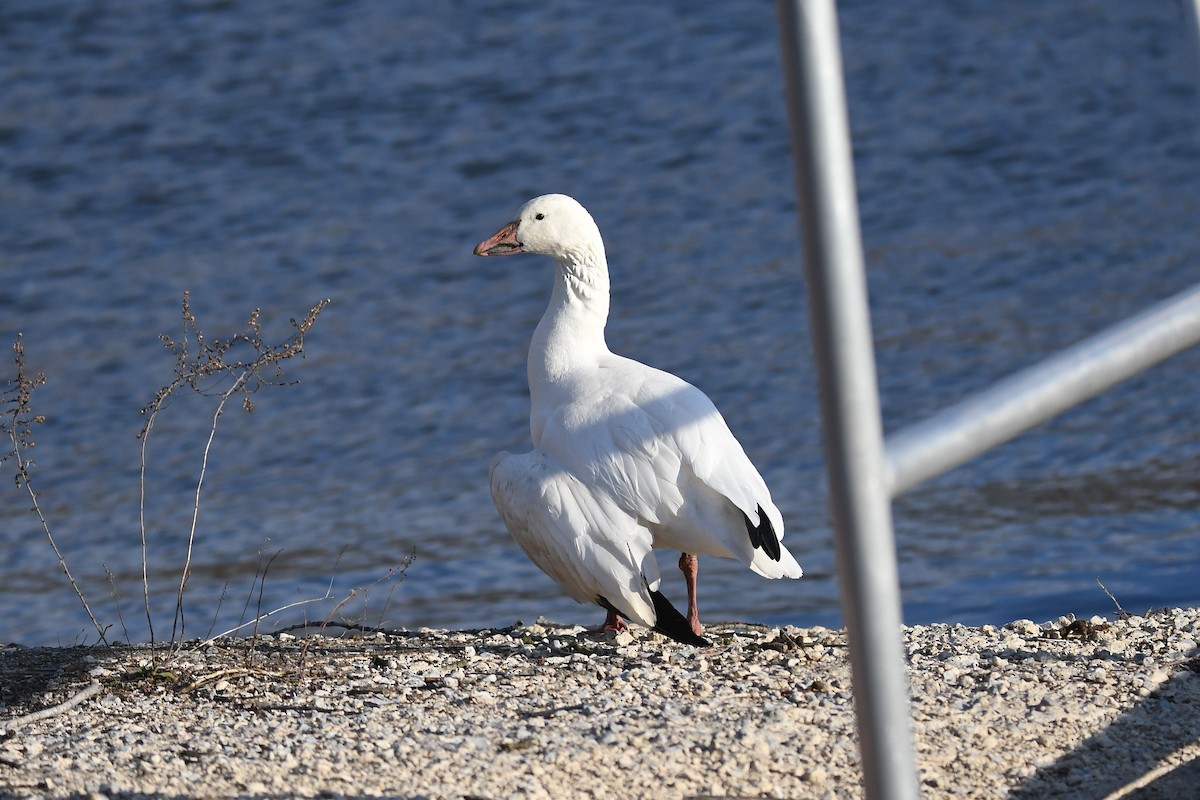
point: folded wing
(660, 449)
(583, 540)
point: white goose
(627, 457)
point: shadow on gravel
(1124, 760)
(27, 674)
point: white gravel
(1068, 709)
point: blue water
(1028, 173)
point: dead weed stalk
(223, 368)
(16, 424)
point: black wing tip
(667, 620)
(670, 623)
(762, 535)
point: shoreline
(1103, 708)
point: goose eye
(539, 216)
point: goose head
(552, 225)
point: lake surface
(1029, 173)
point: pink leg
(690, 567)
(612, 622)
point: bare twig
(350, 626)
(1121, 613)
(91, 689)
(112, 582)
(217, 610)
(390, 594)
(258, 575)
(298, 604)
(225, 673)
(329, 616)
(550, 712)
(396, 573)
(145, 437)
(262, 585)
(178, 625)
(18, 419)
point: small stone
(1024, 627)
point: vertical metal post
(841, 327)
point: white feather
(578, 537)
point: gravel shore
(1065, 709)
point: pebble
(1035, 709)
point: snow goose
(626, 457)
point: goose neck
(571, 332)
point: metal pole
(1034, 395)
(841, 327)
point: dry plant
(223, 368)
(16, 425)
(1121, 613)
(393, 576)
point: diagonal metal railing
(865, 471)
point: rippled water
(1028, 173)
